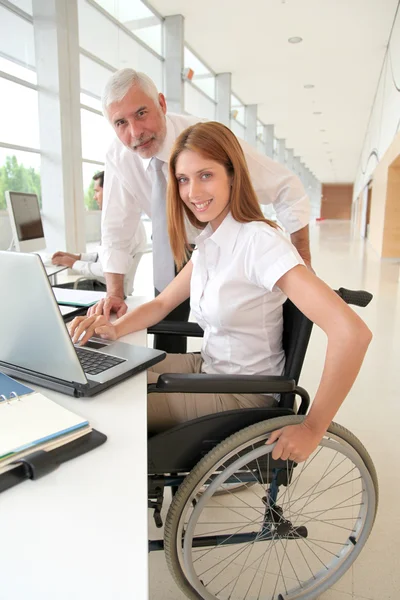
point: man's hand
(89, 326)
(295, 442)
(65, 259)
(108, 305)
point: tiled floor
(372, 410)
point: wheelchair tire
(322, 541)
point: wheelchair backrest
(296, 335)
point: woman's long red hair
(216, 142)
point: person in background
(89, 266)
(137, 172)
(237, 278)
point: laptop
(35, 343)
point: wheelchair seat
(179, 449)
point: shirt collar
(225, 236)
(166, 148)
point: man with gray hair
(137, 170)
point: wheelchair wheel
(290, 535)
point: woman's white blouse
(234, 298)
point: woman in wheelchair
(238, 277)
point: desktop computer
(26, 222)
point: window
(138, 18)
(203, 78)
(97, 135)
(91, 100)
(237, 110)
(121, 50)
(16, 38)
(93, 76)
(197, 103)
(238, 129)
(18, 127)
(19, 171)
(25, 5)
(12, 68)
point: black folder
(40, 463)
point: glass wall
(197, 103)
(199, 93)
(122, 47)
(260, 137)
(203, 77)
(238, 125)
(137, 18)
(19, 135)
(133, 37)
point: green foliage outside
(16, 177)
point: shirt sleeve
(119, 222)
(269, 257)
(275, 184)
(89, 256)
(88, 268)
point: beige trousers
(167, 410)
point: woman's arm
(140, 318)
(348, 340)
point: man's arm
(120, 217)
(275, 184)
(301, 241)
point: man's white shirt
(127, 192)
(89, 264)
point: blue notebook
(29, 421)
(9, 386)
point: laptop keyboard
(94, 363)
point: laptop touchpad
(95, 345)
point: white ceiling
(342, 52)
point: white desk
(52, 272)
(80, 532)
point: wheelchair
(242, 526)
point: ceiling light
(295, 40)
(325, 142)
(323, 130)
(317, 113)
(309, 86)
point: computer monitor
(26, 222)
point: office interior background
(314, 84)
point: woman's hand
(294, 442)
(89, 326)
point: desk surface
(81, 532)
(54, 269)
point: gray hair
(121, 82)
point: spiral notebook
(30, 422)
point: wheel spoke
(273, 541)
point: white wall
(385, 116)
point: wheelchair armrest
(222, 384)
(177, 328)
